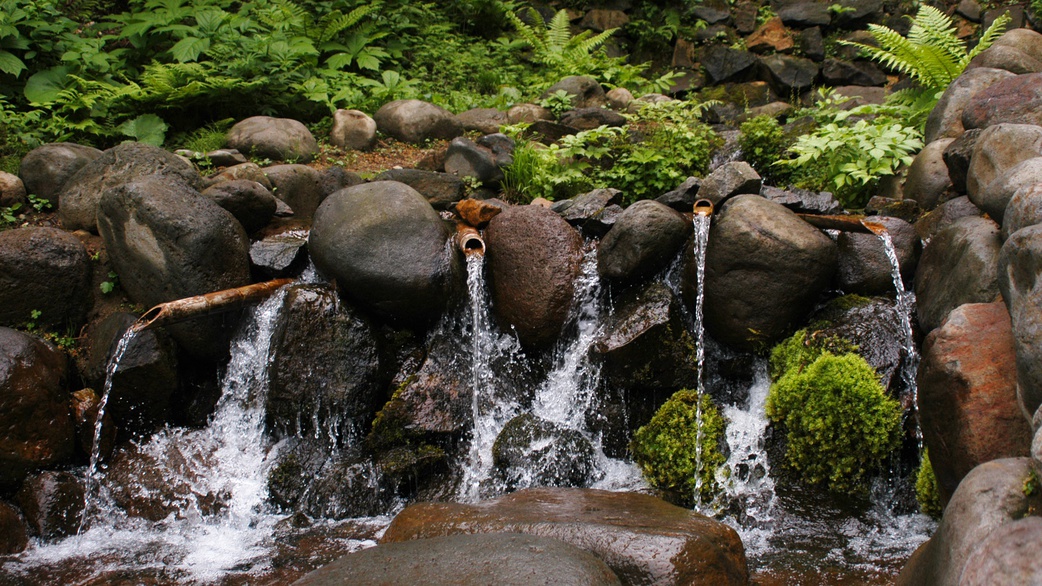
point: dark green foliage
(840, 425)
(763, 143)
(926, 492)
(666, 449)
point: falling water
(95, 450)
(905, 306)
(701, 225)
(491, 409)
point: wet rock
(728, 180)
(146, 380)
(353, 130)
(1013, 100)
(325, 366)
(592, 213)
(299, 186)
(864, 267)
(85, 404)
(415, 121)
(13, 536)
(944, 215)
(1020, 266)
(803, 201)
(967, 394)
(994, 197)
(957, 157)
(157, 480)
(279, 255)
(278, 139)
(959, 266)
(531, 451)
(505, 559)
(723, 65)
(945, 120)
(684, 196)
(533, 258)
(166, 242)
(45, 169)
(478, 212)
(483, 120)
(438, 397)
(35, 425)
(1024, 209)
(927, 180)
(465, 158)
(765, 269)
(590, 118)
(45, 270)
(643, 241)
(250, 202)
(643, 539)
(988, 498)
(1009, 555)
(52, 503)
(440, 189)
(1018, 50)
(81, 195)
(387, 249)
(311, 479)
(585, 91)
(873, 326)
(645, 343)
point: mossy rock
(840, 425)
(667, 448)
(926, 492)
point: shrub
(840, 425)
(666, 449)
(763, 143)
(926, 492)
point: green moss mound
(665, 448)
(926, 492)
(840, 425)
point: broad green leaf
(44, 87)
(189, 49)
(11, 64)
(147, 128)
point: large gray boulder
(643, 241)
(864, 267)
(36, 428)
(533, 258)
(959, 266)
(643, 539)
(1020, 269)
(45, 169)
(79, 199)
(507, 559)
(995, 196)
(998, 149)
(729, 179)
(353, 130)
(967, 394)
(415, 121)
(324, 363)
(1013, 100)
(250, 202)
(1018, 50)
(386, 248)
(990, 497)
(46, 270)
(764, 270)
(945, 120)
(943, 216)
(166, 241)
(299, 186)
(278, 139)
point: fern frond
(336, 22)
(559, 31)
(989, 36)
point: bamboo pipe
(859, 224)
(469, 240)
(208, 304)
(703, 207)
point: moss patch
(926, 492)
(665, 448)
(840, 425)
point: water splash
(905, 307)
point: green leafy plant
(558, 102)
(840, 426)
(34, 316)
(109, 285)
(554, 45)
(926, 492)
(7, 214)
(763, 143)
(679, 449)
(39, 204)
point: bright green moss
(665, 448)
(802, 348)
(840, 425)
(926, 489)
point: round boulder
(1013, 100)
(1020, 279)
(1024, 209)
(12, 190)
(81, 195)
(415, 121)
(960, 265)
(36, 427)
(533, 258)
(998, 149)
(278, 139)
(387, 248)
(764, 270)
(46, 270)
(353, 130)
(1009, 555)
(864, 266)
(1018, 50)
(45, 169)
(299, 186)
(250, 202)
(927, 179)
(945, 120)
(994, 197)
(530, 451)
(643, 241)
(167, 242)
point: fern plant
(555, 47)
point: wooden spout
(208, 304)
(469, 240)
(843, 223)
(703, 207)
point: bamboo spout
(844, 223)
(208, 304)
(703, 207)
(469, 240)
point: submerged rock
(52, 503)
(530, 451)
(644, 540)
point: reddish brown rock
(1016, 100)
(967, 393)
(52, 503)
(477, 212)
(13, 538)
(643, 539)
(771, 36)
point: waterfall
(904, 307)
(701, 227)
